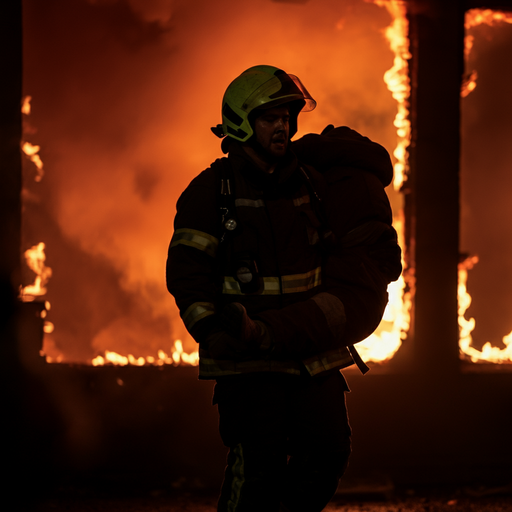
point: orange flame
(474, 18)
(397, 80)
(35, 258)
(387, 339)
(30, 149)
(489, 353)
(25, 106)
(177, 357)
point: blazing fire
(35, 259)
(387, 339)
(31, 150)
(397, 80)
(474, 18)
(111, 199)
(176, 358)
(489, 353)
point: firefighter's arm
(190, 269)
(366, 256)
(358, 274)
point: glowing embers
(387, 339)
(177, 357)
(485, 190)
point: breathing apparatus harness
(246, 267)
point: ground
(404, 500)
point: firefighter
(251, 237)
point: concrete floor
(407, 500)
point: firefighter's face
(272, 130)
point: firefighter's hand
(222, 345)
(253, 333)
(327, 129)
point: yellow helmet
(260, 87)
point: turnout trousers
(288, 438)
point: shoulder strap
(225, 184)
(317, 204)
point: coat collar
(242, 162)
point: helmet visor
(280, 88)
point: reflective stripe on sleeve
(196, 312)
(211, 368)
(339, 358)
(232, 287)
(197, 239)
(366, 233)
(302, 282)
(294, 283)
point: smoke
(150, 11)
(124, 95)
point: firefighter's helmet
(261, 87)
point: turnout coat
(320, 293)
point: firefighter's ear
(218, 131)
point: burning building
(123, 95)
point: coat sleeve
(191, 260)
(366, 256)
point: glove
(221, 345)
(253, 333)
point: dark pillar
(10, 227)
(437, 39)
(10, 136)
